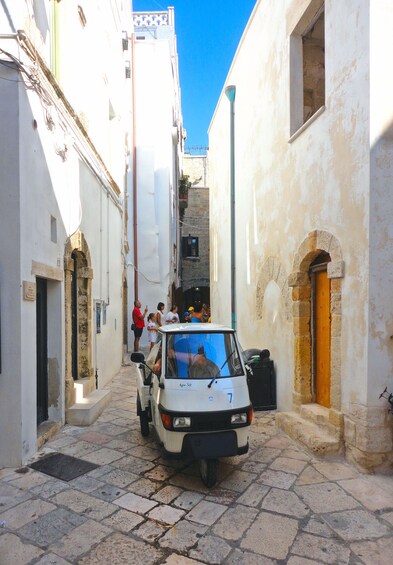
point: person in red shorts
(138, 320)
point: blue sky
(208, 33)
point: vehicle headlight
(239, 418)
(181, 422)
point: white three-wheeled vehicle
(193, 389)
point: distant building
(313, 216)
(194, 229)
(153, 259)
(65, 118)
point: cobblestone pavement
(277, 504)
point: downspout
(134, 169)
(55, 41)
(230, 92)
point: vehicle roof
(194, 328)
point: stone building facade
(313, 207)
(194, 231)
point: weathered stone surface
(369, 494)
(326, 497)
(187, 500)
(119, 549)
(135, 503)
(235, 522)
(277, 479)
(85, 504)
(211, 549)
(253, 495)
(283, 502)
(175, 559)
(335, 471)
(238, 557)
(166, 514)
(206, 512)
(270, 535)
(183, 536)
(80, 540)
(123, 520)
(11, 496)
(321, 549)
(287, 465)
(317, 526)
(335, 269)
(25, 512)
(13, 551)
(48, 528)
(238, 481)
(52, 559)
(354, 525)
(150, 531)
(377, 552)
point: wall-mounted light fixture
(125, 41)
(128, 69)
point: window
(190, 246)
(307, 69)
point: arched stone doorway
(318, 243)
(78, 316)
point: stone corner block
(298, 278)
(335, 270)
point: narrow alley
(277, 504)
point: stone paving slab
(277, 504)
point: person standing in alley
(138, 320)
(172, 317)
(152, 329)
(160, 314)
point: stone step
(319, 415)
(315, 438)
(83, 387)
(87, 410)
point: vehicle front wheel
(208, 469)
(143, 419)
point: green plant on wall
(184, 185)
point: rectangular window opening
(190, 246)
(313, 43)
(53, 229)
(307, 67)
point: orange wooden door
(322, 339)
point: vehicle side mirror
(137, 357)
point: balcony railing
(143, 20)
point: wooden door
(322, 338)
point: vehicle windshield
(202, 356)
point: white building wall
(51, 168)
(333, 176)
(157, 142)
(287, 188)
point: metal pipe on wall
(230, 92)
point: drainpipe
(230, 92)
(134, 169)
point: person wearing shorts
(138, 320)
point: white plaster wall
(35, 185)
(101, 224)
(380, 360)
(10, 290)
(156, 165)
(285, 190)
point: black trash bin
(261, 380)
